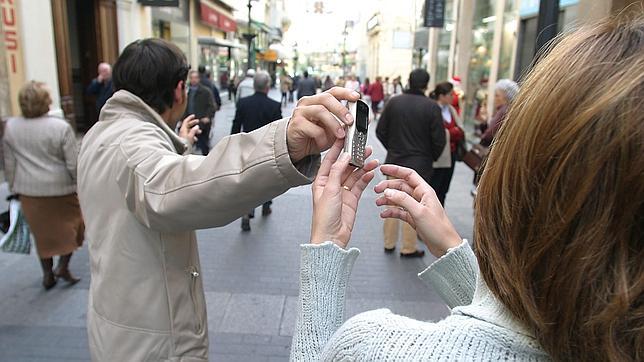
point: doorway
(85, 34)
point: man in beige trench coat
(143, 195)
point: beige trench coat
(142, 200)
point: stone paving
(251, 280)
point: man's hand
(100, 78)
(313, 127)
(190, 129)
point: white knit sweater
(480, 328)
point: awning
(218, 42)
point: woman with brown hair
(40, 154)
(558, 271)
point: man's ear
(179, 92)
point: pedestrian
(101, 86)
(286, 84)
(232, 89)
(444, 166)
(395, 87)
(352, 83)
(293, 87)
(245, 87)
(505, 91)
(411, 129)
(40, 154)
(364, 87)
(376, 92)
(328, 83)
(205, 78)
(556, 271)
(252, 113)
(143, 195)
(306, 86)
(201, 105)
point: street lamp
(249, 36)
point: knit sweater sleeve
(324, 273)
(454, 275)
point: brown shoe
(67, 276)
(415, 254)
(390, 251)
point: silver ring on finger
(346, 187)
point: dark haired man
(202, 105)
(411, 129)
(143, 195)
(305, 86)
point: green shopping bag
(18, 238)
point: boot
(62, 271)
(48, 279)
(245, 223)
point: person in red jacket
(444, 166)
(377, 93)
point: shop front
(216, 50)
(172, 23)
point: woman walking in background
(444, 166)
(505, 91)
(40, 166)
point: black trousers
(203, 139)
(441, 180)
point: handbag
(18, 238)
(474, 157)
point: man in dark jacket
(305, 86)
(411, 129)
(254, 112)
(201, 103)
(101, 86)
(206, 81)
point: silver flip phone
(356, 138)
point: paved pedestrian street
(251, 279)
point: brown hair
(560, 209)
(34, 99)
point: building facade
(483, 41)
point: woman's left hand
(336, 192)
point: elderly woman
(505, 91)
(557, 271)
(40, 154)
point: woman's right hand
(415, 202)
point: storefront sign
(12, 50)
(434, 16)
(216, 19)
(159, 2)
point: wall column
(38, 47)
(463, 43)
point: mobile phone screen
(362, 116)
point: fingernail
(349, 118)
(389, 192)
(355, 94)
(341, 133)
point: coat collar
(485, 306)
(124, 102)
